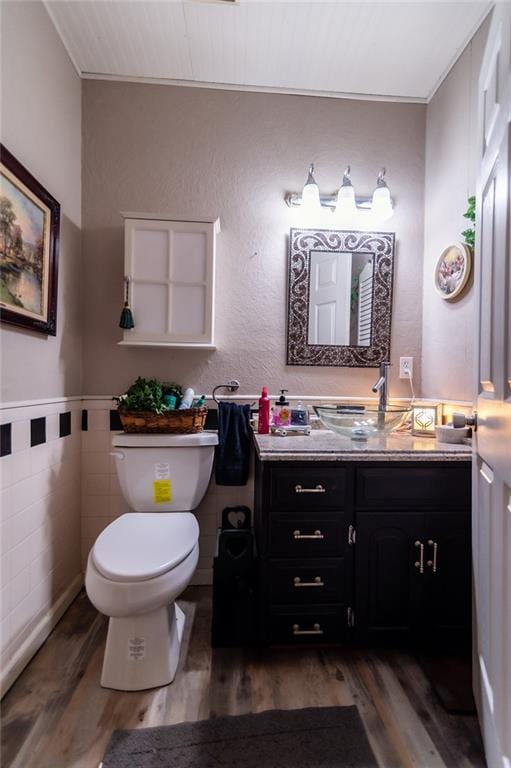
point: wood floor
(57, 716)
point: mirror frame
(301, 243)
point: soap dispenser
(282, 411)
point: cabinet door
(389, 577)
(170, 266)
(447, 604)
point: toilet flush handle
(118, 454)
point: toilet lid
(142, 545)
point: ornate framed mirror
(340, 297)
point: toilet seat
(139, 546)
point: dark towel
(233, 450)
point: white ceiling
(399, 50)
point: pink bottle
(264, 413)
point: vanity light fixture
(424, 420)
(344, 202)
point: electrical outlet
(406, 367)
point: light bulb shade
(310, 194)
(346, 206)
(382, 204)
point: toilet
(144, 559)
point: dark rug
(319, 737)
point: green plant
(144, 395)
(470, 233)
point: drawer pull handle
(432, 563)
(316, 631)
(316, 535)
(317, 489)
(316, 583)
(420, 563)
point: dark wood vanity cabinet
(303, 519)
(377, 552)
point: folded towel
(233, 450)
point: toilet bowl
(144, 559)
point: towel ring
(232, 386)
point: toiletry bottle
(282, 412)
(187, 400)
(170, 401)
(264, 413)
(299, 415)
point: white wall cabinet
(171, 268)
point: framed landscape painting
(29, 249)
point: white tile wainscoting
(40, 527)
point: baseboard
(202, 576)
(36, 638)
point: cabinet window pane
(151, 254)
(153, 303)
(189, 257)
(188, 310)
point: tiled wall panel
(40, 492)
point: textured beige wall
(41, 126)
(448, 327)
(193, 153)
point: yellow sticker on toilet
(162, 491)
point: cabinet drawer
(307, 535)
(307, 625)
(404, 487)
(296, 488)
(307, 581)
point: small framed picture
(453, 270)
(29, 249)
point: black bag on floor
(234, 604)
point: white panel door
(330, 298)
(491, 529)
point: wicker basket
(182, 422)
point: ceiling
(399, 50)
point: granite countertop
(324, 445)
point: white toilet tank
(164, 473)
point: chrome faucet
(382, 386)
